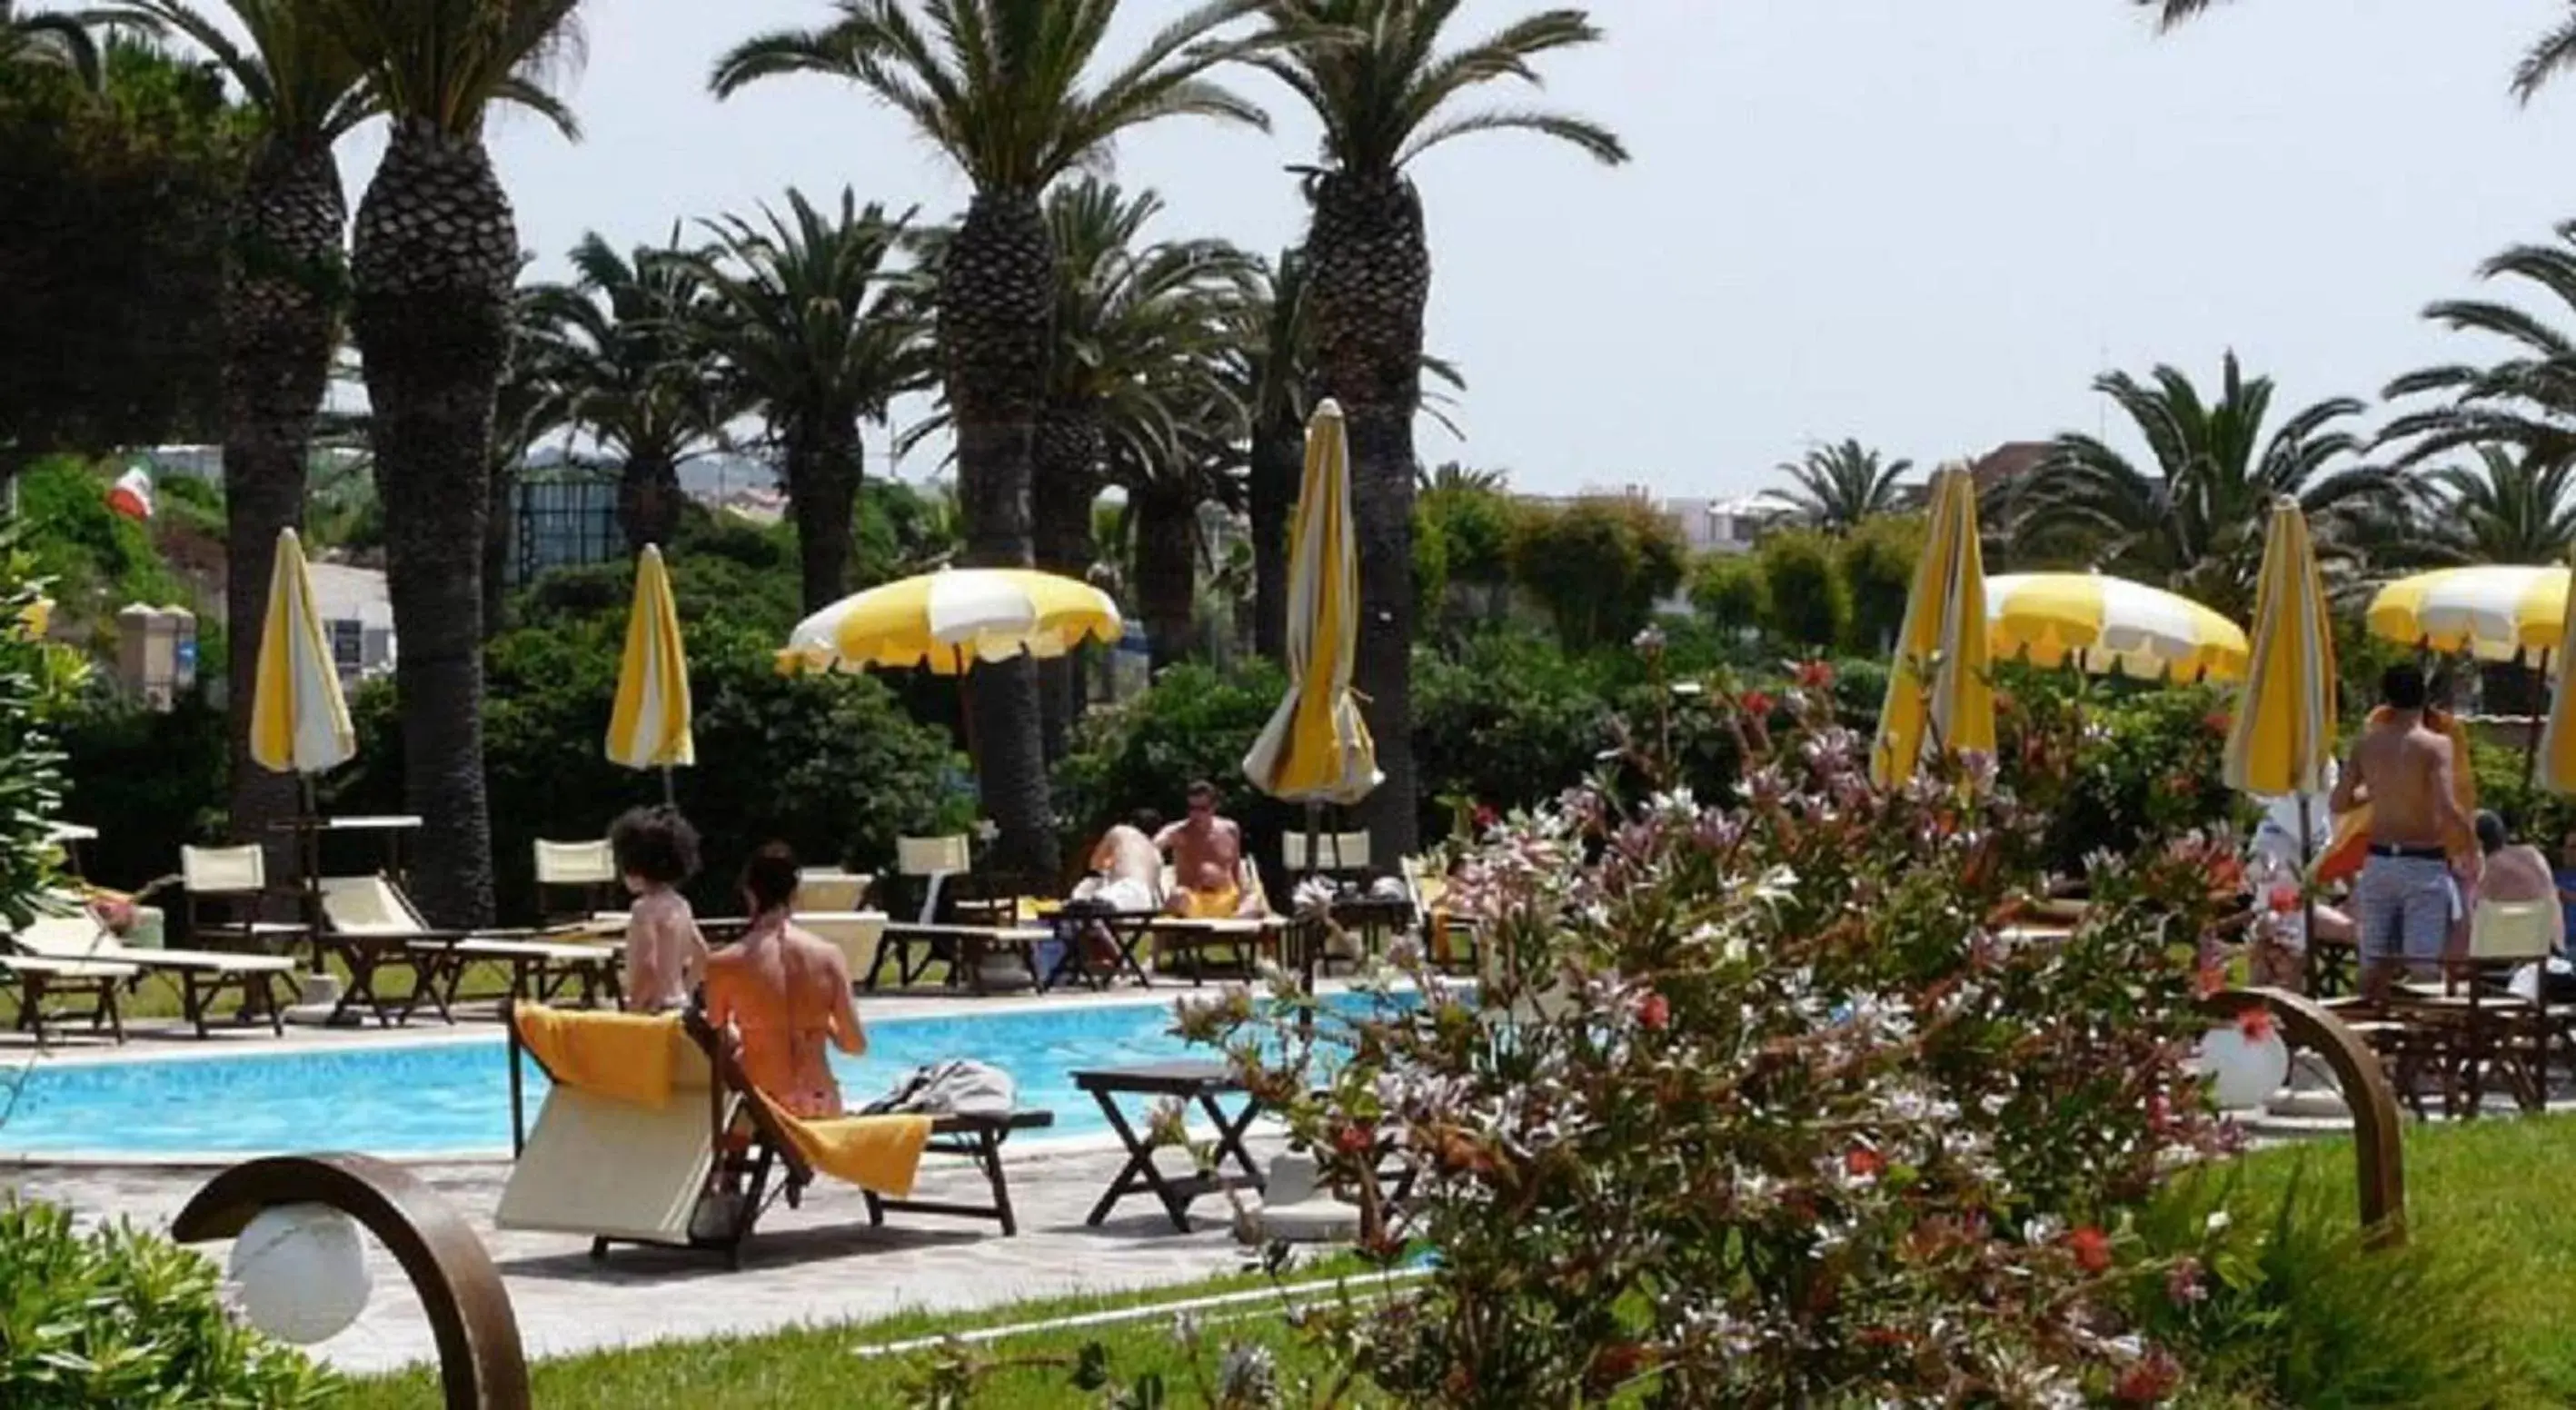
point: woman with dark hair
(657, 852)
(784, 994)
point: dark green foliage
(2147, 764)
(95, 561)
(1810, 602)
(149, 782)
(111, 253)
(30, 768)
(1729, 592)
(1509, 722)
(1598, 566)
(1194, 723)
(125, 1318)
(1878, 560)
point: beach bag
(954, 1088)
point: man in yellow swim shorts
(1207, 857)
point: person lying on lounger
(657, 853)
(784, 995)
(1207, 856)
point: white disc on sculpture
(2244, 1071)
(301, 1272)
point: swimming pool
(454, 1097)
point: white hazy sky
(1926, 225)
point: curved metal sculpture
(2378, 1152)
(479, 1357)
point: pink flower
(2183, 1284)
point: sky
(1924, 225)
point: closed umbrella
(2283, 738)
(649, 726)
(298, 721)
(1939, 693)
(1316, 748)
(2557, 765)
(2101, 625)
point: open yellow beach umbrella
(1939, 692)
(2284, 736)
(649, 727)
(950, 620)
(1316, 748)
(2495, 612)
(2102, 625)
(298, 721)
(2556, 768)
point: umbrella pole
(2531, 740)
(670, 797)
(2307, 889)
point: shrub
(121, 1317)
(150, 782)
(1598, 566)
(1192, 722)
(1810, 602)
(1801, 1128)
(2119, 762)
(30, 766)
(1728, 591)
(1877, 560)
(1508, 723)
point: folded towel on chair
(879, 1153)
(626, 1057)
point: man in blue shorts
(2405, 900)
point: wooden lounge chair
(38, 979)
(2470, 1027)
(201, 975)
(625, 1172)
(369, 922)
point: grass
(819, 1366)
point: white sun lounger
(364, 916)
(202, 975)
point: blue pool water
(454, 1097)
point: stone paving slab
(818, 1264)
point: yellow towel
(1222, 903)
(626, 1057)
(880, 1153)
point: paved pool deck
(821, 1264)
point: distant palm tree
(1385, 93)
(2509, 509)
(2546, 57)
(434, 261)
(1012, 93)
(808, 318)
(638, 381)
(1450, 475)
(2192, 521)
(1841, 485)
(65, 39)
(2526, 401)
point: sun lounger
(368, 921)
(606, 1164)
(38, 978)
(201, 975)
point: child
(657, 851)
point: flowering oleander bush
(1761, 1100)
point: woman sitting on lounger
(784, 995)
(657, 853)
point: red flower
(1654, 1012)
(2284, 898)
(2208, 980)
(2148, 1381)
(1354, 1140)
(2255, 1023)
(1615, 1363)
(1756, 704)
(1815, 675)
(2217, 722)
(1861, 1161)
(2092, 1249)
(1486, 817)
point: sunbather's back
(787, 993)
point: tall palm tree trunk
(996, 295)
(823, 467)
(281, 319)
(1167, 578)
(1371, 271)
(648, 501)
(1276, 461)
(1066, 483)
(434, 257)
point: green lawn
(2494, 1202)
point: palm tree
(639, 383)
(1007, 90)
(1187, 451)
(534, 401)
(2526, 401)
(810, 325)
(1375, 76)
(1841, 485)
(2509, 509)
(64, 39)
(2193, 520)
(286, 282)
(2547, 56)
(434, 261)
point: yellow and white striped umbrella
(1316, 748)
(1940, 693)
(952, 619)
(2284, 736)
(298, 721)
(2110, 624)
(2494, 612)
(650, 726)
(2556, 767)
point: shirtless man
(1126, 867)
(1207, 852)
(2404, 901)
(784, 995)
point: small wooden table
(1202, 1082)
(1374, 917)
